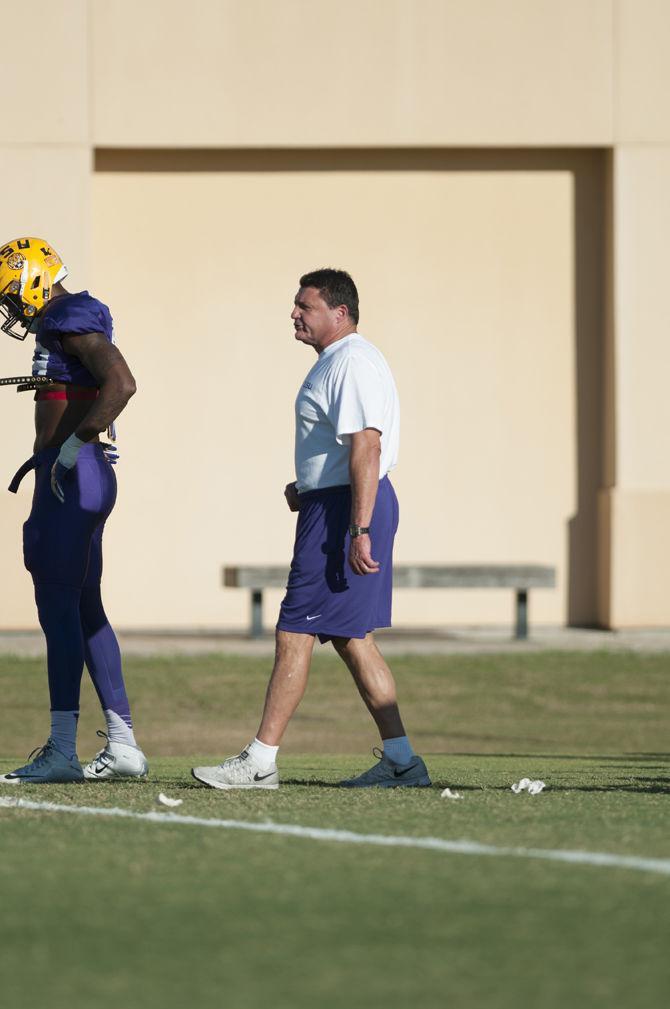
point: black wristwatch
(355, 531)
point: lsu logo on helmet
(29, 267)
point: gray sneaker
(387, 774)
(241, 771)
(50, 765)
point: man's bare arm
(364, 476)
(107, 365)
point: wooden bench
(519, 577)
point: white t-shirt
(349, 388)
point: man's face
(314, 322)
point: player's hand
(67, 460)
(111, 452)
(360, 556)
(58, 476)
(292, 497)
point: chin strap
(26, 383)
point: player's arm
(364, 476)
(107, 365)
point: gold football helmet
(29, 267)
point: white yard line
(599, 858)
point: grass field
(123, 912)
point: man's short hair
(335, 287)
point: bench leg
(256, 613)
(521, 614)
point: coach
(341, 579)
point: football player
(83, 383)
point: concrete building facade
(496, 177)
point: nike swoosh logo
(262, 777)
(313, 618)
(399, 774)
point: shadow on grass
(642, 786)
(623, 758)
(657, 788)
(190, 784)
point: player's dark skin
(57, 419)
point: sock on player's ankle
(398, 749)
(118, 729)
(64, 731)
(264, 755)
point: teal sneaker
(388, 774)
(49, 766)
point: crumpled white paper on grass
(533, 787)
(166, 801)
(448, 794)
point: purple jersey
(68, 314)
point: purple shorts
(323, 595)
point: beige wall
(642, 252)
(637, 499)
(238, 73)
(45, 72)
(546, 273)
(45, 166)
(641, 71)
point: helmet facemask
(15, 323)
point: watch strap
(355, 530)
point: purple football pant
(62, 549)
(323, 595)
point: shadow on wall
(589, 172)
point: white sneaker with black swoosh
(116, 761)
(241, 771)
(388, 774)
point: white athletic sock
(118, 730)
(399, 749)
(64, 731)
(264, 755)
